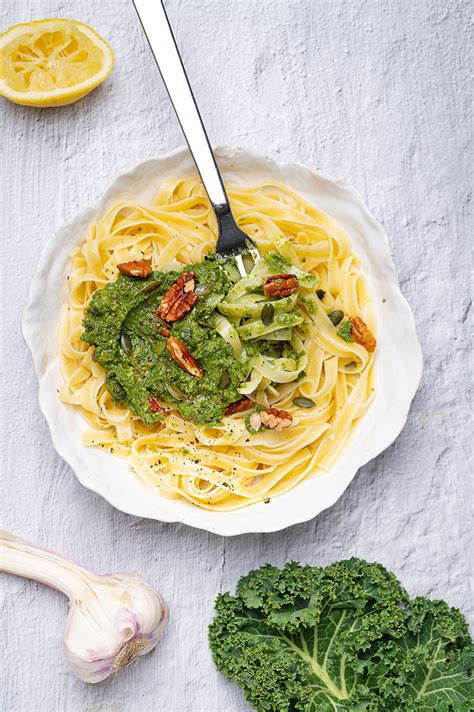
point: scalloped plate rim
(220, 522)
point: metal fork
(231, 240)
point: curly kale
(342, 637)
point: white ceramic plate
(398, 362)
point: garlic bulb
(112, 619)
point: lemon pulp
(52, 62)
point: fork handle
(163, 46)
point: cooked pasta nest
(225, 467)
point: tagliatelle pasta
(225, 467)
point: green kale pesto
(231, 327)
(121, 322)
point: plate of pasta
(181, 390)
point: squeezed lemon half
(52, 62)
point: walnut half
(280, 285)
(180, 355)
(239, 406)
(179, 299)
(136, 268)
(272, 418)
(362, 334)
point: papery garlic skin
(112, 619)
(120, 618)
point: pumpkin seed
(94, 355)
(174, 391)
(336, 316)
(151, 286)
(126, 343)
(267, 314)
(320, 293)
(351, 365)
(303, 402)
(203, 289)
(224, 380)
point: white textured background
(375, 92)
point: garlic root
(112, 619)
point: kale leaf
(345, 636)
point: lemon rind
(62, 95)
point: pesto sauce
(121, 323)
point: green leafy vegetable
(345, 331)
(256, 328)
(341, 637)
